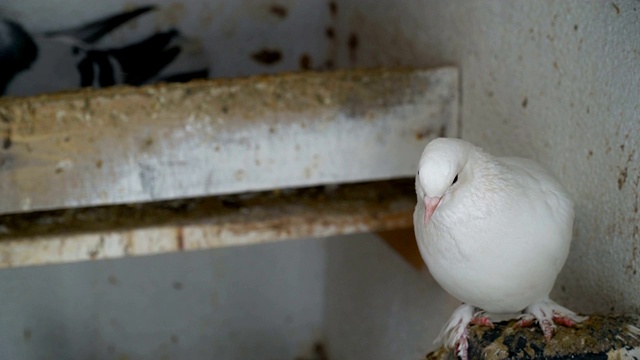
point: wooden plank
(108, 232)
(171, 141)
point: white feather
(501, 233)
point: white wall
(264, 301)
(558, 81)
(377, 306)
(351, 294)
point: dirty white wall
(377, 306)
(270, 301)
(558, 81)
(230, 31)
(258, 302)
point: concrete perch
(599, 337)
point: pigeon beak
(430, 204)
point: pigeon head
(441, 171)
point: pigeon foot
(455, 333)
(547, 313)
(462, 347)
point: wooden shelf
(96, 174)
(142, 229)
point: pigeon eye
(455, 180)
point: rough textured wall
(556, 81)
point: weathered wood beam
(172, 141)
(70, 235)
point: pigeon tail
(94, 31)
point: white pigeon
(494, 233)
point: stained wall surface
(558, 81)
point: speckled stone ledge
(599, 337)
(163, 142)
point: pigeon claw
(455, 334)
(547, 325)
(525, 322)
(548, 328)
(564, 321)
(462, 346)
(547, 313)
(482, 320)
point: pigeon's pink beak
(430, 203)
